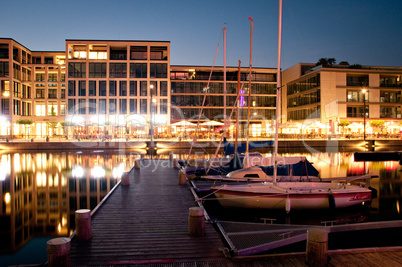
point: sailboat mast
(224, 78)
(238, 104)
(249, 83)
(278, 90)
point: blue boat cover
(302, 168)
(234, 164)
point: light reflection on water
(40, 192)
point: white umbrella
(355, 125)
(212, 123)
(183, 123)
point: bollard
(171, 156)
(182, 177)
(142, 156)
(317, 247)
(83, 224)
(58, 252)
(125, 179)
(137, 163)
(196, 222)
(176, 163)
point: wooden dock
(146, 223)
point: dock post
(182, 177)
(83, 224)
(142, 156)
(196, 222)
(176, 163)
(125, 179)
(171, 156)
(58, 252)
(137, 163)
(317, 247)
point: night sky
(366, 32)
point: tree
(377, 124)
(343, 124)
(326, 62)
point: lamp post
(151, 111)
(364, 114)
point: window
(63, 93)
(52, 108)
(71, 88)
(16, 107)
(158, 53)
(117, 70)
(143, 89)
(4, 72)
(40, 91)
(138, 53)
(40, 108)
(17, 89)
(4, 51)
(52, 93)
(357, 80)
(52, 77)
(48, 60)
(158, 70)
(76, 70)
(133, 106)
(118, 53)
(71, 106)
(97, 70)
(63, 108)
(40, 77)
(102, 88)
(138, 70)
(82, 106)
(82, 89)
(112, 106)
(133, 88)
(143, 106)
(163, 106)
(123, 88)
(92, 88)
(5, 88)
(102, 106)
(112, 88)
(164, 89)
(92, 106)
(5, 106)
(123, 106)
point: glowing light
(118, 171)
(7, 198)
(77, 171)
(98, 172)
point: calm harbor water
(40, 192)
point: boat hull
(292, 196)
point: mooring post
(125, 179)
(176, 163)
(137, 163)
(196, 222)
(182, 177)
(83, 224)
(58, 252)
(317, 247)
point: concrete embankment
(166, 146)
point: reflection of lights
(7, 198)
(397, 206)
(59, 228)
(98, 172)
(118, 171)
(77, 171)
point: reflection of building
(331, 94)
(39, 195)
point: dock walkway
(146, 223)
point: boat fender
(331, 200)
(288, 206)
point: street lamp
(151, 109)
(364, 114)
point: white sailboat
(290, 195)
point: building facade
(342, 92)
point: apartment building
(342, 92)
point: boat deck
(146, 223)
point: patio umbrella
(212, 123)
(183, 123)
